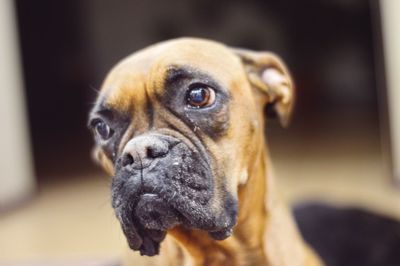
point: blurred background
(341, 148)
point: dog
(180, 128)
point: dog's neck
(264, 234)
(246, 245)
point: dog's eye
(200, 95)
(103, 130)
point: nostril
(127, 160)
(154, 152)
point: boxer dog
(180, 128)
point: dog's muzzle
(160, 183)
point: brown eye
(103, 130)
(200, 96)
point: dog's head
(178, 125)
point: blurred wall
(16, 176)
(391, 33)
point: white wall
(16, 175)
(391, 34)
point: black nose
(140, 151)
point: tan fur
(265, 233)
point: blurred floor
(71, 218)
(68, 220)
(340, 175)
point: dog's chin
(155, 214)
(145, 225)
(175, 190)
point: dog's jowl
(179, 127)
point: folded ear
(267, 73)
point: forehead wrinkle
(140, 120)
(126, 137)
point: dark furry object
(350, 236)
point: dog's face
(178, 126)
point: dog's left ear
(267, 73)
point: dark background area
(68, 47)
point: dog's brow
(108, 113)
(102, 110)
(179, 73)
(175, 74)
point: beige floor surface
(69, 220)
